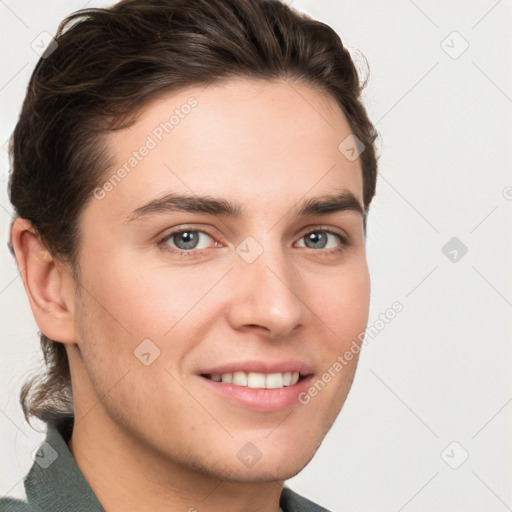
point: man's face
(270, 288)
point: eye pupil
(316, 240)
(186, 239)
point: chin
(272, 470)
(241, 462)
(275, 463)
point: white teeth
(240, 379)
(227, 378)
(256, 380)
(274, 381)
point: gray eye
(186, 240)
(316, 240)
(320, 239)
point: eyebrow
(344, 201)
(185, 203)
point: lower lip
(261, 400)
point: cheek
(341, 304)
(148, 301)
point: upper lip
(260, 367)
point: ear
(49, 283)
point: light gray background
(440, 371)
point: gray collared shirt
(56, 484)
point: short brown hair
(107, 65)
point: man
(191, 181)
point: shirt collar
(55, 482)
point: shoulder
(12, 505)
(292, 502)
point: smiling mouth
(256, 380)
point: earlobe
(48, 283)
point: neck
(126, 474)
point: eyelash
(343, 239)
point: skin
(156, 437)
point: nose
(266, 297)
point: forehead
(264, 144)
